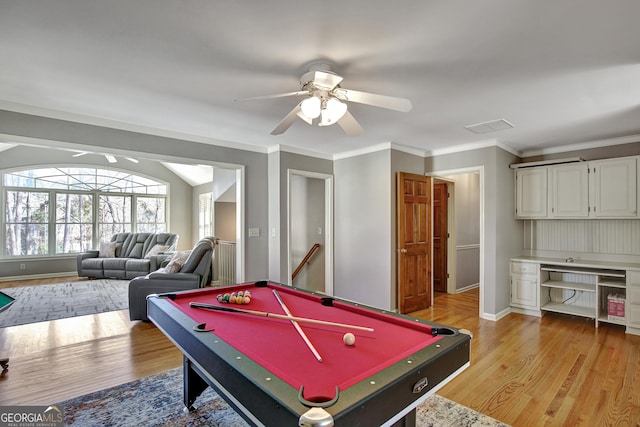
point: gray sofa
(196, 272)
(134, 255)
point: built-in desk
(608, 292)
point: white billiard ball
(349, 338)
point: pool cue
(278, 316)
(298, 328)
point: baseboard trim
(467, 288)
(498, 316)
(37, 276)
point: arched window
(64, 210)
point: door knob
(403, 251)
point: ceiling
(563, 73)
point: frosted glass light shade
(311, 107)
(333, 112)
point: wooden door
(414, 242)
(440, 236)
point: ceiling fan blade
(350, 125)
(287, 121)
(278, 95)
(382, 101)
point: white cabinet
(524, 287)
(614, 188)
(597, 189)
(569, 191)
(596, 290)
(531, 192)
(633, 302)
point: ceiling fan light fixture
(311, 107)
(332, 112)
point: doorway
(464, 229)
(440, 235)
(310, 231)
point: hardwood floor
(524, 371)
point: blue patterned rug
(50, 302)
(157, 401)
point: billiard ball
(349, 338)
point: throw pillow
(156, 250)
(177, 262)
(107, 250)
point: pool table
(280, 372)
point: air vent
(490, 126)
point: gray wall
(400, 162)
(366, 235)
(24, 128)
(279, 164)
(225, 223)
(503, 235)
(363, 229)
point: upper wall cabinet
(597, 189)
(569, 191)
(614, 188)
(531, 193)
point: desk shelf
(581, 291)
(560, 284)
(570, 309)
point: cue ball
(349, 338)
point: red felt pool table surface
(276, 345)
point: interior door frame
(328, 226)
(451, 230)
(480, 171)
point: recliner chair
(195, 273)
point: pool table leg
(193, 385)
(408, 420)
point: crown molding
(583, 145)
(300, 151)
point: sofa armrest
(89, 254)
(85, 255)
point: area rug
(58, 301)
(157, 401)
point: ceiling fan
(109, 157)
(325, 102)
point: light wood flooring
(525, 371)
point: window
(26, 223)
(150, 214)
(90, 206)
(205, 215)
(114, 216)
(74, 222)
